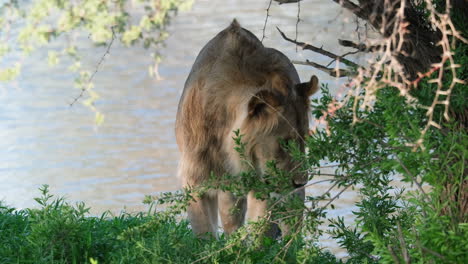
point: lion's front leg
(257, 210)
(232, 211)
(203, 214)
(295, 215)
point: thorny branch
(411, 48)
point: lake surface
(45, 141)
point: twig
(414, 179)
(319, 50)
(330, 71)
(291, 239)
(280, 2)
(220, 250)
(404, 250)
(392, 253)
(336, 196)
(330, 166)
(421, 76)
(432, 252)
(342, 56)
(266, 20)
(359, 46)
(253, 232)
(298, 19)
(297, 189)
(96, 69)
(418, 242)
(357, 28)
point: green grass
(59, 232)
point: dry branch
(287, 1)
(359, 46)
(266, 20)
(332, 72)
(306, 46)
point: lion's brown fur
(236, 83)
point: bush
(58, 232)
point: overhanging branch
(319, 50)
(359, 46)
(330, 71)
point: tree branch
(306, 46)
(330, 71)
(266, 20)
(359, 46)
(287, 1)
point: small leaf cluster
(27, 26)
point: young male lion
(237, 83)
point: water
(134, 152)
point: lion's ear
(309, 88)
(264, 102)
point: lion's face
(275, 116)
